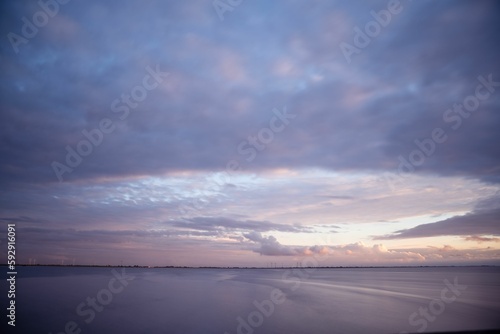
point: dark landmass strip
(229, 267)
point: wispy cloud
(480, 239)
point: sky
(250, 133)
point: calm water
(98, 300)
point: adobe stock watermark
(453, 117)
(95, 137)
(436, 307)
(291, 276)
(372, 29)
(222, 6)
(249, 149)
(266, 308)
(88, 308)
(30, 28)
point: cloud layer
(226, 77)
(483, 220)
(160, 128)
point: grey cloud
(483, 220)
(270, 246)
(228, 224)
(350, 120)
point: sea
(79, 300)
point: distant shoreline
(229, 267)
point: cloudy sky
(247, 133)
